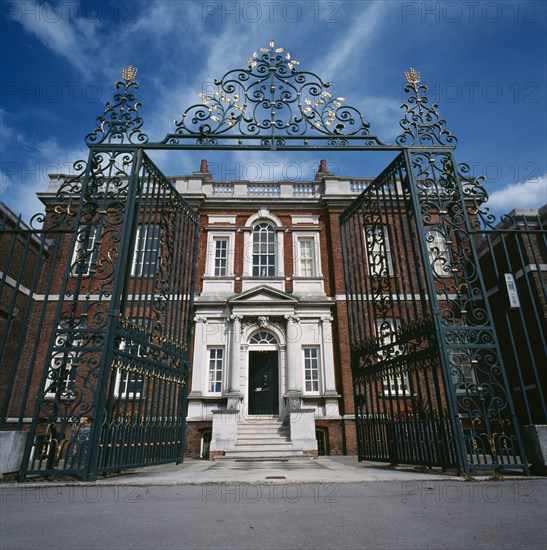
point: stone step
(271, 446)
(253, 444)
(263, 437)
(263, 426)
(249, 455)
(252, 425)
(268, 432)
(262, 418)
(291, 459)
(273, 435)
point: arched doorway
(263, 397)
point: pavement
(332, 469)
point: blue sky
(484, 62)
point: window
(146, 251)
(437, 250)
(307, 256)
(311, 369)
(133, 348)
(220, 254)
(461, 369)
(216, 358)
(61, 375)
(386, 331)
(307, 261)
(221, 257)
(263, 338)
(396, 385)
(86, 251)
(263, 250)
(129, 385)
(380, 262)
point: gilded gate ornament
(273, 99)
(121, 122)
(422, 124)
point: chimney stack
(323, 167)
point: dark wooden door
(263, 383)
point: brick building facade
(270, 333)
(270, 347)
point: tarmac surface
(329, 502)
(420, 511)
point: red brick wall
(194, 431)
(341, 436)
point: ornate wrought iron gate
(112, 333)
(429, 380)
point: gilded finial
(129, 73)
(413, 76)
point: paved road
(406, 514)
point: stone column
(196, 408)
(330, 393)
(294, 363)
(235, 353)
(328, 356)
(200, 359)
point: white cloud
(529, 194)
(383, 114)
(362, 33)
(6, 182)
(23, 176)
(60, 29)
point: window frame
(271, 241)
(218, 370)
(139, 255)
(386, 257)
(298, 237)
(261, 216)
(124, 394)
(263, 337)
(309, 366)
(212, 238)
(141, 352)
(394, 324)
(71, 373)
(469, 378)
(401, 383)
(220, 259)
(91, 253)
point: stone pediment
(263, 294)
